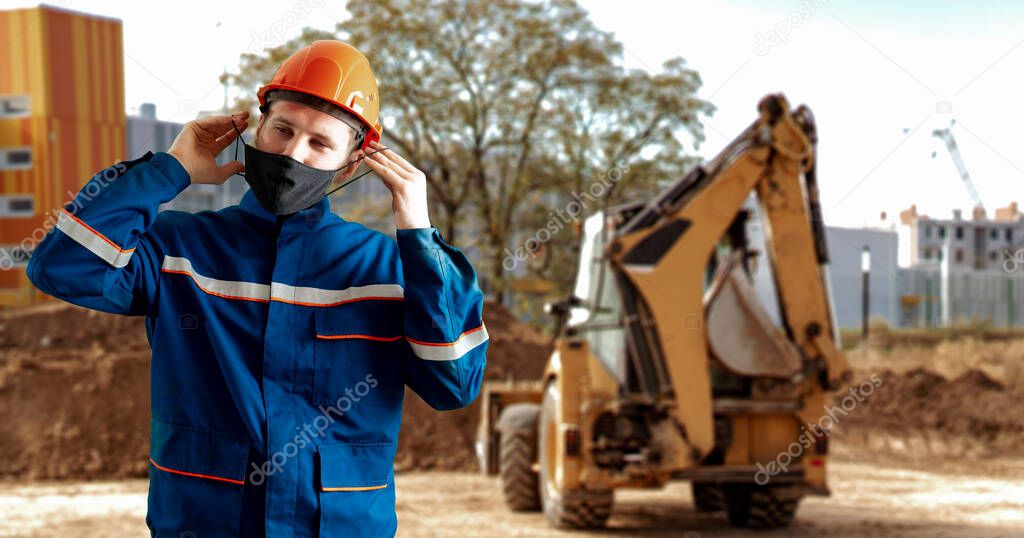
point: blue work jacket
(281, 347)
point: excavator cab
(666, 364)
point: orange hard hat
(336, 73)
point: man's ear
(354, 160)
(352, 163)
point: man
(282, 335)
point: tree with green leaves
(513, 110)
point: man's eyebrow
(316, 134)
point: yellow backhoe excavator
(666, 366)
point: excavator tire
(518, 449)
(580, 509)
(760, 507)
(576, 508)
(708, 497)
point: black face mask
(283, 185)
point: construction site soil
(74, 397)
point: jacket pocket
(359, 356)
(195, 481)
(356, 489)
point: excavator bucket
(741, 334)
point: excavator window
(598, 319)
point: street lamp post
(865, 301)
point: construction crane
(946, 135)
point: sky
(878, 76)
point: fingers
(390, 177)
(241, 121)
(227, 138)
(219, 125)
(225, 171)
(382, 159)
(394, 157)
(221, 122)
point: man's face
(309, 136)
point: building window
(942, 232)
(14, 106)
(993, 234)
(15, 158)
(959, 233)
(1009, 235)
(17, 205)
(958, 256)
(927, 231)
(993, 256)
(939, 254)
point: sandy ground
(935, 500)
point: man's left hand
(407, 184)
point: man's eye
(281, 130)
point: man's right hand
(197, 145)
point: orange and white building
(62, 118)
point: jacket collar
(306, 220)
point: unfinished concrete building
(962, 271)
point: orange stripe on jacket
(211, 292)
(93, 230)
(362, 488)
(195, 475)
(422, 343)
(300, 303)
(358, 336)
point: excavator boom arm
(661, 255)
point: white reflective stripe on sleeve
(449, 351)
(95, 242)
(229, 289)
(319, 297)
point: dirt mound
(978, 379)
(920, 411)
(74, 395)
(65, 328)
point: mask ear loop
(236, 143)
(328, 193)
